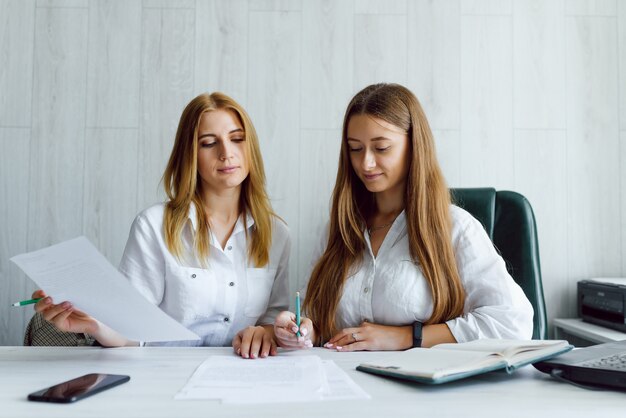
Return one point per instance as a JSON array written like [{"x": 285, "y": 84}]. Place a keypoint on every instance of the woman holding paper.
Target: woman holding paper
[
  {"x": 214, "y": 256},
  {"x": 399, "y": 266}
]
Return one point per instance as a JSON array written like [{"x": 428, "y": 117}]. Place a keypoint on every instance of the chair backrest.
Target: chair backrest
[{"x": 510, "y": 223}]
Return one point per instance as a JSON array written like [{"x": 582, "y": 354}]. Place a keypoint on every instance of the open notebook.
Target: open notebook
[{"x": 447, "y": 362}]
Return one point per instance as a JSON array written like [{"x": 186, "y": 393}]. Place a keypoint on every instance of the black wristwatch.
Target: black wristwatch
[{"x": 417, "y": 334}]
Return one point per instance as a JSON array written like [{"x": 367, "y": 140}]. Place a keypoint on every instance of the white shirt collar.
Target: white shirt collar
[{"x": 193, "y": 218}]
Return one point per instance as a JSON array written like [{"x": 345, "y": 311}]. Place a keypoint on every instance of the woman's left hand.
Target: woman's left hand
[
  {"x": 372, "y": 337},
  {"x": 255, "y": 342}
]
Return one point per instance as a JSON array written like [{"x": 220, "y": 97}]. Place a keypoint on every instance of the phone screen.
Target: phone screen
[{"x": 78, "y": 388}]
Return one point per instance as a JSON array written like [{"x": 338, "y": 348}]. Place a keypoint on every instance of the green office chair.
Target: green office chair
[{"x": 510, "y": 223}]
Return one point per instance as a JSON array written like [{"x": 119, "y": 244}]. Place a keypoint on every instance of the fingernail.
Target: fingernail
[
  {"x": 47, "y": 300},
  {"x": 309, "y": 343},
  {"x": 304, "y": 331},
  {"x": 253, "y": 355},
  {"x": 294, "y": 329},
  {"x": 339, "y": 348},
  {"x": 245, "y": 355},
  {"x": 66, "y": 304},
  {"x": 238, "y": 351},
  {"x": 264, "y": 355}
]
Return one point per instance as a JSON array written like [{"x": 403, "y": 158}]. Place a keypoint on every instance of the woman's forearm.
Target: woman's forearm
[{"x": 107, "y": 337}]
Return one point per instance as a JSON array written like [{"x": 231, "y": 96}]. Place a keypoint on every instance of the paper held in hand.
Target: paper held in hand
[
  {"x": 75, "y": 271},
  {"x": 447, "y": 362}
]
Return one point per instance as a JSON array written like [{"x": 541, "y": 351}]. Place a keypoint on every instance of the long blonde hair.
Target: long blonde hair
[
  {"x": 182, "y": 185},
  {"x": 427, "y": 210}
]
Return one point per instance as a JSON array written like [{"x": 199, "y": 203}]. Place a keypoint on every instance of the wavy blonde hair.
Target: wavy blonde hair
[
  {"x": 427, "y": 210},
  {"x": 183, "y": 187}
]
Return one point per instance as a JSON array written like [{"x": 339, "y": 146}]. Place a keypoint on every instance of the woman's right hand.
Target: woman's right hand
[
  {"x": 285, "y": 330},
  {"x": 64, "y": 316}
]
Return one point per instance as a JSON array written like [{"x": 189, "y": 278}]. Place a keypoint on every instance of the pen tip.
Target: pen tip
[
  {"x": 15, "y": 304},
  {"x": 297, "y": 293}
]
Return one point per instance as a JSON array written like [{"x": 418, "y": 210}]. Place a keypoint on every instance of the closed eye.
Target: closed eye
[{"x": 208, "y": 144}]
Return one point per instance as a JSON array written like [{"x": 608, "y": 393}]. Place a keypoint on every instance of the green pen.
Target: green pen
[
  {"x": 298, "y": 313},
  {"x": 26, "y": 302}
]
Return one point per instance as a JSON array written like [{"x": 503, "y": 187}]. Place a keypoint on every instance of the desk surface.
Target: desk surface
[{"x": 158, "y": 373}]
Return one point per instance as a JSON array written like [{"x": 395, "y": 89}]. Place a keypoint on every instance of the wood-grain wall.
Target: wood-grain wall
[{"x": 527, "y": 95}]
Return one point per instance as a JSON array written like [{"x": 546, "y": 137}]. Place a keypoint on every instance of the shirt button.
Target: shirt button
[
  {"x": 231, "y": 284},
  {"x": 230, "y": 247},
  {"x": 367, "y": 289},
  {"x": 226, "y": 319},
  {"x": 193, "y": 276}
]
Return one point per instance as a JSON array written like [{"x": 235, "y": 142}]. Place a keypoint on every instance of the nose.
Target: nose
[
  {"x": 226, "y": 150},
  {"x": 369, "y": 161}
]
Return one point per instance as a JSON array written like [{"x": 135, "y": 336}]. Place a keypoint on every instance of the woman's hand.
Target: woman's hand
[
  {"x": 372, "y": 337},
  {"x": 285, "y": 330},
  {"x": 64, "y": 316},
  {"x": 254, "y": 342}
]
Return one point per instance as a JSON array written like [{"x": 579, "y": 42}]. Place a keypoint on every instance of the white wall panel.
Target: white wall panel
[
  {"x": 486, "y": 102},
  {"x": 621, "y": 43},
  {"x": 273, "y": 104},
  {"x": 486, "y": 7},
  {"x": 378, "y": 7},
  {"x": 448, "y": 146},
  {"x": 538, "y": 64},
  {"x": 114, "y": 58},
  {"x": 17, "y": 22},
  {"x": 169, "y": 4},
  {"x": 275, "y": 5},
  {"x": 57, "y": 146},
  {"x": 109, "y": 205},
  {"x": 221, "y": 54},
  {"x": 63, "y": 3},
  {"x": 592, "y": 148},
  {"x": 380, "y": 47},
  {"x": 622, "y": 189},
  {"x": 540, "y": 175},
  {"x": 319, "y": 156},
  {"x": 591, "y": 7},
  {"x": 167, "y": 58},
  {"x": 434, "y": 55},
  {"x": 14, "y": 285},
  {"x": 327, "y": 65}
]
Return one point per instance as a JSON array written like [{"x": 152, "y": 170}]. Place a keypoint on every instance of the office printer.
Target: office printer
[{"x": 602, "y": 301}]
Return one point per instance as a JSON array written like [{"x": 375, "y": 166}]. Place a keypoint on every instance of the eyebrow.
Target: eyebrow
[
  {"x": 215, "y": 136},
  {"x": 378, "y": 138}
]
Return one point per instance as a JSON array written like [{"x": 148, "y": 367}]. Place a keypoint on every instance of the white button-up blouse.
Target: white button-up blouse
[
  {"x": 390, "y": 289},
  {"x": 214, "y": 302}
]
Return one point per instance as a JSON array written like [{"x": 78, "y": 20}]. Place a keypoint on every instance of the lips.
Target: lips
[
  {"x": 228, "y": 170},
  {"x": 372, "y": 176}
]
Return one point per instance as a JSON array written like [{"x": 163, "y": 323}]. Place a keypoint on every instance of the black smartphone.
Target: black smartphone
[{"x": 79, "y": 388}]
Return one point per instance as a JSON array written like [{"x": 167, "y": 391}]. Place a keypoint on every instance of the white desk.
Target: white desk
[
  {"x": 595, "y": 334},
  {"x": 158, "y": 373}
]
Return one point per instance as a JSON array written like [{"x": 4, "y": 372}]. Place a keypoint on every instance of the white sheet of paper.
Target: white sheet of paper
[
  {"x": 340, "y": 385},
  {"x": 75, "y": 271},
  {"x": 274, "y": 379},
  {"x": 270, "y": 380}
]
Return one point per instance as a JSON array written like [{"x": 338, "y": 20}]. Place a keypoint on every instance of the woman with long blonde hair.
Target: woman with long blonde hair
[
  {"x": 214, "y": 256},
  {"x": 400, "y": 266}
]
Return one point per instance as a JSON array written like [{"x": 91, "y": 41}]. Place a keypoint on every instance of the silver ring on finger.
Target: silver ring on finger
[{"x": 354, "y": 336}]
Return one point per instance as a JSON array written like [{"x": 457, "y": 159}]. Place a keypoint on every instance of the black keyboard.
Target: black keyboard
[{"x": 614, "y": 362}]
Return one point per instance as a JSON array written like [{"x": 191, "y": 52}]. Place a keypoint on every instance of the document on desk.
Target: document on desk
[
  {"x": 75, "y": 271},
  {"x": 274, "y": 379}
]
